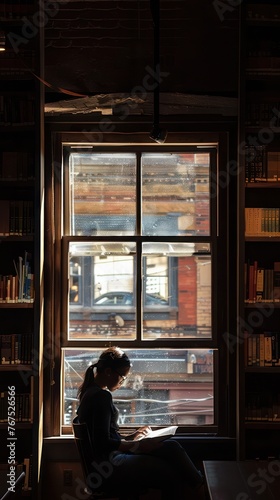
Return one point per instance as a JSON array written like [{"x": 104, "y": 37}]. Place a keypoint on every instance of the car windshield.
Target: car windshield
[
  {"x": 114, "y": 299},
  {"x": 126, "y": 298}
]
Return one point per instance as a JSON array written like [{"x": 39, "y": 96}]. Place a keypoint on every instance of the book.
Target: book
[
  {"x": 249, "y": 351},
  {"x": 3, "y": 406},
  {"x": 5, "y": 218},
  {"x": 276, "y": 281},
  {"x": 26, "y": 463},
  {"x": 16, "y": 348},
  {"x": 273, "y": 166},
  {"x": 274, "y": 349},
  {"x": 260, "y": 284},
  {"x": 262, "y": 221},
  {"x": 254, "y": 350},
  {"x": 261, "y": 349},
  {"x": 267, "y": 349},
  {"x": 164, "y": 432},
  {"x": 6, "y": 349}
]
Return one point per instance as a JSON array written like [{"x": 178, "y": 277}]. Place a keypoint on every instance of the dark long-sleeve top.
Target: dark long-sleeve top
[{"x": 101, "y": 416}]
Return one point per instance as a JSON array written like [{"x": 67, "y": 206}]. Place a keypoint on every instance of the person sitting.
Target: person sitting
[{"x": 131, "y": 460}]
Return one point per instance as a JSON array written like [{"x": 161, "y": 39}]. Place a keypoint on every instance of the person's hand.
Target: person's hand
[{"x": 141, "y": 433}]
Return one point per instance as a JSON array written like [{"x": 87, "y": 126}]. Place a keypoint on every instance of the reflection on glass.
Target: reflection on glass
[
  {"x": 165, "y": 386},
  {"x": 175, "y": 194},
  {"x": 175, "y": 191},
  {"x": 75, "y": 280},
  {"x": 102, "y": 298},
  {"x": 102, "y": 192}
]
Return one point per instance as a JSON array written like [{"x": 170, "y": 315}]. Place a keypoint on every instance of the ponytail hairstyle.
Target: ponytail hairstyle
[{"x": 113, "y": 357}]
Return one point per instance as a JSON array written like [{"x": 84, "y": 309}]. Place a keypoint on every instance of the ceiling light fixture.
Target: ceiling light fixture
[{"x": 158, "y": 134}]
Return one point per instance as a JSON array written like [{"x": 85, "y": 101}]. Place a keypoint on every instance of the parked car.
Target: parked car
[{"x": 127, "y": 299}]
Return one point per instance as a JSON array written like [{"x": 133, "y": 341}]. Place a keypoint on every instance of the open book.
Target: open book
[{"x": 164, "y": 432}]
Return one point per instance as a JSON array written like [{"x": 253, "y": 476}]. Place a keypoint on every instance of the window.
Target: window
[
  {"x": 165, "y": 386},
  {"x": 139, "y": 270}
]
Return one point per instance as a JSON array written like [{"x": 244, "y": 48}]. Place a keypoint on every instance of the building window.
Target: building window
[{"x": 139, "y": 270}]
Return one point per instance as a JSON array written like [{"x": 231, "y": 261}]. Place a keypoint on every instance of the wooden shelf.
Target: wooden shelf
[
  {"x": 17, "y": 183},
  {"x": 18, "y": 425},
  {"x": 255, "y": 74},
  {"x": 18, "y": 305},
  {"x": 21, "y": 130},
  {"x": 263, "y": 185},
  {"x": 269, "y": 239},
  {"x": 15, "y": 367},
  {"x": 262, "y": 425},
  {"x": 17, "y": 239},
  {"x": 16, "y": 128},
  {"x": 263, "y": 23},
  {"x": 262, "y": 369},
  {"x": 260, "y": 305},
  {"x": 259, "y": 97}
]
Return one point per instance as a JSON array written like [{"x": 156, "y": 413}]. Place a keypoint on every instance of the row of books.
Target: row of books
[
  {"x": 262, "y": 60},
  {"x": 19, "y": 287},
  {"x": 15, "y": 8},
  {"x": 23, "y": 407},
  {"x": 255, "y": 163},
  {"x": 26, "y": 466},
  {"x": 16, "y": 165},
  {"x": 261, "y": 285},
  {"x": 262, "y": 221},
  {"x": 16, "y": 349},
  {"x": 262, "y": 349},
  {"x": 263, "y": 11},
  {"x": 15, "y": 110},
  {"x": 262, "y": 165},
  {"x": 262, "y": 406},
  {"x": 13, "y": 63},
  {"x": 17, "y": 217},
  {"x": 15, "y": 291},
  {"x": 260, "y": 114}
]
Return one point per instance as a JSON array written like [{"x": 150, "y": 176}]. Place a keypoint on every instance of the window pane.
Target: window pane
[
  {"x": 175, "y": 190},
  {"x": 102, "y": 193},
  {"x": 177, "y": 290},
  {"x": 175, "y": 193},
  {"x": 165, "y": 386},
  {"x": 102, "y": 290}
]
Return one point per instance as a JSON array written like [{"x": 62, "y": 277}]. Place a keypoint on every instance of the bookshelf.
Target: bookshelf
[
  {"x": 259, "y": 233},
  {"x": 21, "y": 249}
]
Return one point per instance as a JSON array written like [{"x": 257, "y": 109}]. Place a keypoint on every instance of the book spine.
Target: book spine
[
  {"x": 261, "y": 348},
  {"x": 267, "y": 349}
]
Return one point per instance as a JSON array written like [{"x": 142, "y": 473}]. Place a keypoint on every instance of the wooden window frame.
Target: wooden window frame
[{"x": 55, "y": 291}]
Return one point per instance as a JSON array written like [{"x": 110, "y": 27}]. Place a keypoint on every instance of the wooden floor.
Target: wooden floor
[{"x": 248, "y": 480}]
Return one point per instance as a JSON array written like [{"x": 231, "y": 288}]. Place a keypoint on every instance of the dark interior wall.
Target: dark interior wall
[{"x": 104, "y": 46}]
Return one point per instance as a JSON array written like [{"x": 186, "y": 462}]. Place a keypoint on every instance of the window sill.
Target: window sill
[{"x": 207, "y": 447}]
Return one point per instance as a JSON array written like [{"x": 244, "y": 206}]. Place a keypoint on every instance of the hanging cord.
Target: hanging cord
[{"x": 156, "y": 134}]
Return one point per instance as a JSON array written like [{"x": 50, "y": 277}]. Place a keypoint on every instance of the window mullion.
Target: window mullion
[
  {"x": 138, "y": 228},
  {"x": 139, "y": 290},
  {"x": 139, "y": 270}
]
